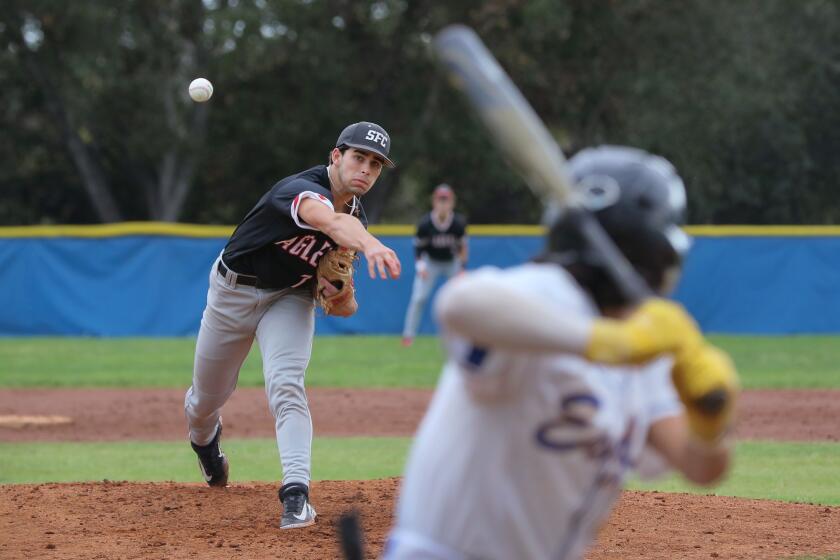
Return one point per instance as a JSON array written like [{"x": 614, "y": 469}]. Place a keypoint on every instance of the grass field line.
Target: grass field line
[{"x": 794, "y": 362}]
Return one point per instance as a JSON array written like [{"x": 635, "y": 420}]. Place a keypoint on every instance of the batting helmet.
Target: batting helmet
[{"x": 639, "y": 200}]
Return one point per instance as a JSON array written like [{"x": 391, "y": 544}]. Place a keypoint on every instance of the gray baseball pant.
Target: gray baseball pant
[
  {"x": 283, "y": 322},
  {"x": 422, "y": 288}
]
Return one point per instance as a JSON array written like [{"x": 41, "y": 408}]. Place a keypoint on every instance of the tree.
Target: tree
[
  {"x": 98, "y": 80},
  {"x": 741, "y": 96}
]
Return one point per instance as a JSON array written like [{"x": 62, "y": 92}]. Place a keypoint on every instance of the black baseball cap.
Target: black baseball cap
[{"x": 366, "y": 136}]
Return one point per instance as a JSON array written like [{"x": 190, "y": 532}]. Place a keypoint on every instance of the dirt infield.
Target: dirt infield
[
  {"x": 179, "y": 521},
  {"x": 157, "y": 414},
  {"x": 174, "y": 521}
]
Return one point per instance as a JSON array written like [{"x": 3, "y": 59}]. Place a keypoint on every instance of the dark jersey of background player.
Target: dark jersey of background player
[
  {"x": 440, "y": 241},
  {"x": 272, "y": 244}
]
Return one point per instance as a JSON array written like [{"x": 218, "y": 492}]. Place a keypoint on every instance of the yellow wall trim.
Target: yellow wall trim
[
  {"x": 762, "y": 231},
  {"x": 118, "y": 229},
  {"x": 195, "y": 230}
]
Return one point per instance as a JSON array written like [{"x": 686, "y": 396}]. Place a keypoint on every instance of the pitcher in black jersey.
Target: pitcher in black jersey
[
  {"x": 440, "y": 249},
  {"x": 261, "y": 286}
]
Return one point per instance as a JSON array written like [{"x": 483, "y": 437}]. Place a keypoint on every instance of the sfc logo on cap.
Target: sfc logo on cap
[{"x": 366, "y": 136}]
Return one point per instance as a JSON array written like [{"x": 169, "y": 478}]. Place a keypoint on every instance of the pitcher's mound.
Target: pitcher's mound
[{"x": 171, "y": 521}]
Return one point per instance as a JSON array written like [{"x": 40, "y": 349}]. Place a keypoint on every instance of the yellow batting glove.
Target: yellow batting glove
[
  {"x": 708, "y": 386},
  {"x": 657, "y": 327}
]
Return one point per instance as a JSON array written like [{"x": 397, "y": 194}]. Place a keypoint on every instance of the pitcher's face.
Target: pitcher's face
[{"x": 357, "y": 170}]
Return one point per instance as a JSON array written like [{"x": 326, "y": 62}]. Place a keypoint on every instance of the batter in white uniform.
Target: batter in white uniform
[{"x": 556, "y": 387}]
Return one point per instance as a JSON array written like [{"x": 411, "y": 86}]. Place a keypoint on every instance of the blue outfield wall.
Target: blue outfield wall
[
  {"x": 152, "y": 280},
  {"x": 763, "y": 285}
]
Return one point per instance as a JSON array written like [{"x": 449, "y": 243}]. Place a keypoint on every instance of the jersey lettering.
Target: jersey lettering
[
  {"x": 305, "y": 254},
  {"x": 574, "y": 427},
  {"x": 287, "y": 243},
  {"x": 317, "y": 255},
  {"x": 304, "y": 278},
  {"x": 303, "y": 246},
  {"x": 619, "y": 459},
  {"x": 300, "y": 247},
  {"x": 444, "y": 241}
]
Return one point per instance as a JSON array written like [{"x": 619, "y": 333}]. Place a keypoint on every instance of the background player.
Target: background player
[
  {"x": 440, "y": 249},
  {"x": 549, "y": 395},
  {"x": 262, "y": 286}
]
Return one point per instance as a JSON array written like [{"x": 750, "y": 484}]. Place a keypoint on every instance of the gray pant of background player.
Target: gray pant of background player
[
  {"x": 421, "y": 289},
  {"x": 283, "y": 322}
]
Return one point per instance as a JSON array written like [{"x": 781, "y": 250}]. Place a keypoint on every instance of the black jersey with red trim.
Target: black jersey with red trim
[
  {"x": 273, "y": 243},
  {"x": 441, "y": 241}
]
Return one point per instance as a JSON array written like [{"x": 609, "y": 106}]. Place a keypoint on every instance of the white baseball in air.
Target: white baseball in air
[{"x": 201, "y": 90}]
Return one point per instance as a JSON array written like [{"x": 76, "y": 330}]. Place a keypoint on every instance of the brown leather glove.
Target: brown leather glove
[{"x": 336, "y": 269}]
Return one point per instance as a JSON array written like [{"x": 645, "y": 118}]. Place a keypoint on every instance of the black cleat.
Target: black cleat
[
  {"x": 212, "y": 461},
  {"x": 297, "y": 511}
]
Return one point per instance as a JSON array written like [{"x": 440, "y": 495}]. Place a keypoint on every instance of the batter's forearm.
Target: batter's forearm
[
  {"x": 487, "y": 312},
  {"x": 699, "y": 461},
  {"x": 705, "y": 464}
]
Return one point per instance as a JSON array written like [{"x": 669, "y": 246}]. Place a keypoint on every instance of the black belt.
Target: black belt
[{"x": 243, "y": 279}]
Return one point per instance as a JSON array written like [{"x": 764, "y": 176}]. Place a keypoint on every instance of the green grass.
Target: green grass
[
  {"x": 796, "y": 472},
  {"x": 337, "y": 361},
  {"x": 785, "y": 362},
  {"x": 792, "y": 472},
  {"x": 365, "y": 361},
  {"x": 251, "y": 459}
]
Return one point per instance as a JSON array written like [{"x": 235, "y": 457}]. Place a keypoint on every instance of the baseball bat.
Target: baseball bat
[
  {"x": 529, "y": 147},
  {"x": 350, "y": 536},
  {"x": 522, "y": 137}
]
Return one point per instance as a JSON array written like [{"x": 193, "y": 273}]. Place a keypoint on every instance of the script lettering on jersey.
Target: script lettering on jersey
[
  {"x": 301, "y": 246},
  {"x": 574, "y": 429}
]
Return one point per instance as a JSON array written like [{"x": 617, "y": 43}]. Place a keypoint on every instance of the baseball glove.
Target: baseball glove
[{"x": 336, "y": 268}]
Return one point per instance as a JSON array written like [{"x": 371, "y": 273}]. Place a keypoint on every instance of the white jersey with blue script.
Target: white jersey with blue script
[{"x": 522, "y": 455}]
